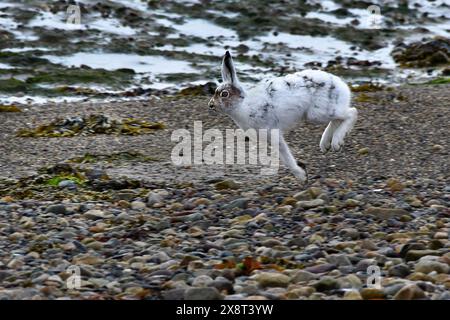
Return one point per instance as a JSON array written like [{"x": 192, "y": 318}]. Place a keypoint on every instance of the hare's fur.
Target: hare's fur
[{"x": 281, "y": 103}]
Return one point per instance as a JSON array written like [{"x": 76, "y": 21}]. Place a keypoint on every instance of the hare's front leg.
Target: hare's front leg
[{"x": 289, "y": 160}]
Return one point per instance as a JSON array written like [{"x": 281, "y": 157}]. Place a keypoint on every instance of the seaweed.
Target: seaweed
[
  {"x": 368, "y": 87},
  {"x": 119, "y": 156},
  {"x": 92, "y": 124},
  {"x": 54, "y": 181},
  {"x": 10, "y": 108},
  {"x": 441, "y": 80},
  {"x": 364, "y": 98}
]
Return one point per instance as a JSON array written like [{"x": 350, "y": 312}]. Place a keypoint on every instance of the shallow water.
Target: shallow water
[
  {"x": 114, "y": 61},
  {"x": 181, "y": 42}
]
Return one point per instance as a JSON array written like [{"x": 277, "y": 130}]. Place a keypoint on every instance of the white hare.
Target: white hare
[{"x": 281, "y": 103}]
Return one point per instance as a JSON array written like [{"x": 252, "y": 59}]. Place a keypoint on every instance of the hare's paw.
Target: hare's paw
[
  {"x": 337, "y": 144},
  {"x": 300, "y": 174},
  {"x": 325, "y": 145},
  {"x": 325, "y": 141}
]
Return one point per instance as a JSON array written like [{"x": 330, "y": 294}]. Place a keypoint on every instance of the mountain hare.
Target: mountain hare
[{"x": 281, "y": 103}]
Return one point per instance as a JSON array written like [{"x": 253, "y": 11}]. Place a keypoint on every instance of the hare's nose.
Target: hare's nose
[{"x": 211, "y": 104}]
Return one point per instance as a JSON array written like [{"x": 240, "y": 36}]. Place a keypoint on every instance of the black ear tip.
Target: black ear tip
[{"x": 227, "y": 54}]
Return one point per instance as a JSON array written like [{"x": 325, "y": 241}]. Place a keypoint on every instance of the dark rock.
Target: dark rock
[
  {"x": 349, "y": 233},
  {"x": 222, "y": 285},
  {"x": 411, "y": 246},
  {"x": 326, "y": 284},
  {"x": 204, "y": 89},
  {"x": 57, "y": 209},
  {"x": 238, "y": 203},
  {"x": 423, "y": 54},
  {"x": 207, "y": 293},
  {"x": 385, "y": 213},
  {"x": 321, "y": 268},
  {"x": 414, "y": 255},
  {"x": 399, "y": 270},
  {"x": 410, "y": 292},
  {"x": 393, "y": 289},
  {"x": 299, "y": 242},
  {"x": 174, "y": 294}
]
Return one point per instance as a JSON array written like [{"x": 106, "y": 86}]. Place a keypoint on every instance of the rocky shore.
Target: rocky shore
[{"x": 136, "y": 227}]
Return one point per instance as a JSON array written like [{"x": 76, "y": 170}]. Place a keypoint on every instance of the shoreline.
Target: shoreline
[{"x": 181, "y": 111}]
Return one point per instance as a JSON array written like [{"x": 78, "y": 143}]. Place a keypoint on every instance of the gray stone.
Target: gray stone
[
  {"x": 56, "y": 209},
  {"x": 271, "y": 243},
  {"x": 303, "y": 195},
  {"x": 339, "y": 260},
  {"x": 308, "y": 194},
  {"x": 413, "y": 255},
  {"x": 272, "y": 279},
  {"x": 399, "y": 270},
  {"x": 386, "y": 213},
  {"x": 349, "y": 233},
  {"x": 241, "y": 203},
  {"x": 69, "y": 184},
  {"x": 303, "y": 276},
  {"x": 155, "y": 197},
  {"x": 138, "y": 205},
  {"x": 174, "y": 294},
  {"x": 299, "y": 242},
  {"x": 350, "y": 281},
  {"x": 309, "y": 204},
  {"x": 410, "y": 292},
  {"x": 222, "y": 284},
  {"x": 94, "y": 214},
  {"x": 202, "y": 281},
  {"x": 321, "y": 268},
  {"x": 126, "y": 195},
  {"x": 326, "y": 284},
  {"x": 393, "y": 289},
  {"x": 207, "y": 293},
  {"x": 365, "y": 263},
  {"x": 159, "y": 257},
  {"x": 196, "y": 216},
  {"x": 368, "y": 245},
  {"x": 427, "y": 266}
]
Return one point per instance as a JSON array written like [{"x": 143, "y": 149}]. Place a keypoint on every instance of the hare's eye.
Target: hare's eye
[{"x": 224, "y": 94}]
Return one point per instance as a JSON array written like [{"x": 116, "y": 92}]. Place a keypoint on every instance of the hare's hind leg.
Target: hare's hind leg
[
  {"x": 325, "y": 141},
  {"x": 349, "y": 119}
]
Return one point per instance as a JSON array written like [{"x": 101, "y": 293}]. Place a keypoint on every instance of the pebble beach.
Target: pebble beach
[{"x": 115, "y": 208}]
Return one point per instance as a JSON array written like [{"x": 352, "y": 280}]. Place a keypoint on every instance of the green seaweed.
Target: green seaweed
[
  {"x": 54, "y": 181},
  {"x": 22, "y": 59},
  {"x": 74, "y": 76},
  {"x": 441, "y": 80},
  {"x": 13, "y": 85}
]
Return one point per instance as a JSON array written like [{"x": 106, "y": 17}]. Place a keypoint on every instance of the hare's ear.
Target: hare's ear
[{"x": 228, "y": 70}]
